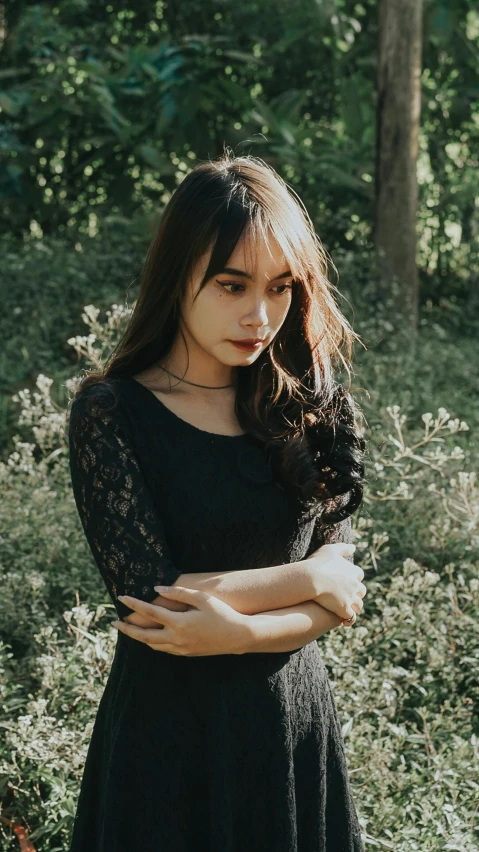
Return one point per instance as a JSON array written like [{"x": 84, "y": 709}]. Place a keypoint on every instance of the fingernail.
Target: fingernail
[
  {"x": 115, "y": 623},
  {"x": 161, "y": 588}
]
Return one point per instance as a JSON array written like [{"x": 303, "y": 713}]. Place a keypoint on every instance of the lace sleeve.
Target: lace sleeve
[
  {"x": 121, "y": 523},
  {"x": 342, "y": 531}
]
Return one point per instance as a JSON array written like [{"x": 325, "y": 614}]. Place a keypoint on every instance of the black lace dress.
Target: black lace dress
[{"x": 223, "y": 753}]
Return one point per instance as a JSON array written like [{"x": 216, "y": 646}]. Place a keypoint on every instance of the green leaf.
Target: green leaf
[
  {"x": 243, "y": 57},
  {"x": 153, "y": 157}
]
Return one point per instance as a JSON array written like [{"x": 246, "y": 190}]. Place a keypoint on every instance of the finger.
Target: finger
[
  {"x": 362, "y": 590},
  {"x": 179, "y": 593},
  {"x": 344, "y": 546},
  {"x": 154, "y": 611},
  {"x": 353, "y": 616},
  {"x": 148, "y": 635}
]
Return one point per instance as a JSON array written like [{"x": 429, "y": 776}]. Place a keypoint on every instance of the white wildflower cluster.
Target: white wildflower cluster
[
  {"x": 80, "y": 620},
  {"x": 118, "y": 315},
  {"x": 40, "y": 412},
  {"x": 85, "y": 346},
  {"x": 20, "y": 462},
  {"x": 440, "y": 530},
  {"x": 35, "y": 580},
  {"x": 102, "y": 337},
  {"x": 460, "y": 500},
  {"x": 42, "y": 738},
  {"x": 407, "y": 467},
  {"x": 442, "y": 419}
]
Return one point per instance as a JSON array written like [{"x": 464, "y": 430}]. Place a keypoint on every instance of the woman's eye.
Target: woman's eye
[{"x": 225, "y": 284}]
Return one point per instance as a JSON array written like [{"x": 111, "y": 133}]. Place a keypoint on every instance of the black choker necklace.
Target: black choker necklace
[{"x": 194, "y": 383}]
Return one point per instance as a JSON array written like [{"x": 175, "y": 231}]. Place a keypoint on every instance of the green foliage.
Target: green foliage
[
  {"x": 407, "y": 690},
  {"x": 406, "y": 676},
  {"x": 49, "y": 699},
  {"x": 105, "y": 109},
  {"x": 42, "y": 290}
]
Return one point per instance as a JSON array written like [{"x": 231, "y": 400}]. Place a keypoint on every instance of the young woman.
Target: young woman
[{"x": 216, "y": 454}]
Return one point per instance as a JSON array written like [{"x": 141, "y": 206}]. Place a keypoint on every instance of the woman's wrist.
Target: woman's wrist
[
  {"x": 316, "y": 579},
  {"x": 286, "y": 629}
]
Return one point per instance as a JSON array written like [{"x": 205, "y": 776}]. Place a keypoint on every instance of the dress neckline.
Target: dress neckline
[{"x": 176, "y": 418}]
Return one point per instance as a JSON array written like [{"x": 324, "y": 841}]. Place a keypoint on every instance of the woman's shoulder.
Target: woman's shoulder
[
  {"x": 104, "y": 403},
  {"x": 97, "y": 396}
]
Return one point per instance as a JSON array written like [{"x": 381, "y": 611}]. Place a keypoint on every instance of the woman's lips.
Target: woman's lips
[{"x": 246, "y": 347}]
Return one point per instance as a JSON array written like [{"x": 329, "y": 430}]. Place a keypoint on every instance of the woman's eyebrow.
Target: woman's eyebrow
[{"x": 231, "y": 271}]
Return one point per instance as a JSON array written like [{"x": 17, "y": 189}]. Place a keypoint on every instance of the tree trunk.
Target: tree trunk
[{"x": 399, "y": 107}]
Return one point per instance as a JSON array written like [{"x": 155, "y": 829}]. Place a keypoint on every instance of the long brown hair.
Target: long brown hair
[{"x": 288, "y": 398}]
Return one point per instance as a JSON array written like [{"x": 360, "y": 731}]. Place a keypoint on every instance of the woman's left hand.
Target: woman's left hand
[{"x": 210, "y": 627}]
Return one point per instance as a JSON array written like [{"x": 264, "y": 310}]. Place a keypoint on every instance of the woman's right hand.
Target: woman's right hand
[{"x": 339, "y": 579}]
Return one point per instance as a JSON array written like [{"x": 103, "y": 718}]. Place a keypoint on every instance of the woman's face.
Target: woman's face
[{"x": 250, "y": 302}]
